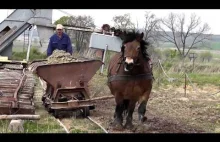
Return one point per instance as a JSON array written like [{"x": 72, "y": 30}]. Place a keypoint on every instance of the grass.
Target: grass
[
  {"x": 215, "y": 45},
  {"x": 47, "y": 124},
  {"x": 34, "y": 55},
  {"x": 199, "y": 79},
  {"x": 202, "y": 79},
  {"x": 83, "y": 126}
]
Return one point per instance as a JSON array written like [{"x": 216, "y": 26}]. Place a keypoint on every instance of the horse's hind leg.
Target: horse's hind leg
[{"x": 131, "y": 107}]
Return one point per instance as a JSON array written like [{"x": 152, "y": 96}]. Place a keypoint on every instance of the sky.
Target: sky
[{"x": 103, "y": 16}]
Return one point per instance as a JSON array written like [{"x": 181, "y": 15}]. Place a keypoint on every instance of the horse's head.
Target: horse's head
[{"x": 131, "y": 49}]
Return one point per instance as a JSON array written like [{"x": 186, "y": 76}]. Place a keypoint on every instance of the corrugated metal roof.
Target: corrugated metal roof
[{"x": 99, "y": 41}]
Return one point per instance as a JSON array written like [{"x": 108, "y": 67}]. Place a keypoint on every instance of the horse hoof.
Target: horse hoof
[
  {"x": 117, "y": 127},
  {"x": 143, "y": 119},
  {"x": 129, "y": 126}
]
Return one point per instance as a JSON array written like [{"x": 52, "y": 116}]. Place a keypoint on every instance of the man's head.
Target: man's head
[{"x": 59, "y": 29}]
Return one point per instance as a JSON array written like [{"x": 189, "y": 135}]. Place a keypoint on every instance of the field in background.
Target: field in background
[{"x": 215, "y": 45}]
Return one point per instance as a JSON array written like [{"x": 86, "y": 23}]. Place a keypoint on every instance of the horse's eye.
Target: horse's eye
[{"x": 138, "y": 48}]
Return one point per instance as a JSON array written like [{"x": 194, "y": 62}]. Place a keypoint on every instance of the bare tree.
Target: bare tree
[
  {"x": 151, "y": 28},
  {"x": 123, "y": 22},
  {"x": 80, "y": 38},
  {"x": 184, "y": 37}
]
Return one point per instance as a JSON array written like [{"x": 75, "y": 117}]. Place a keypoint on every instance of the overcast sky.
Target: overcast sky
[{"x": 105, "y": 16}]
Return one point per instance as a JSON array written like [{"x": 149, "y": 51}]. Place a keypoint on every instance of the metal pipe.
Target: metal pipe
[
  {"x": 103, "y": 60},
  {"x": 20, "y": 116},
  {"x": 29, "y": 46}
]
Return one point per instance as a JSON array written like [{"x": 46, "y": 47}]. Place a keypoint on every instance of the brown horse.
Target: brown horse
[{"x": 130, "y": 79}]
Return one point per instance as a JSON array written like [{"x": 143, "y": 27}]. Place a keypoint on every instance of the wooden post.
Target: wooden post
[
  {"x": 160, "y": 70},
  {"x": 185, "y": 85}
]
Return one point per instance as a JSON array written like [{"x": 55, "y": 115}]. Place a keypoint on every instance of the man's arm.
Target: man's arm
[
  {"x": 49, "y": 48},
  {"x": 69, "y": 46}
]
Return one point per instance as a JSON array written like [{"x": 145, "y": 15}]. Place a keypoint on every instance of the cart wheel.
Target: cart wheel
[
  {"x": 56, "y": 113},
  {"x": 49, "y": 109},
  {"x": 43, "y": 98},
  {"x": 86, "y": 111}
]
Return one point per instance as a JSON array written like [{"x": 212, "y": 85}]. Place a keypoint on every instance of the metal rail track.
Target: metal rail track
[
  {"x": 16, "y": 90},
  {"x": 62, "y": 125},
  {"x": 92, "y": 120},
  {"x": 89, "y": 118}
]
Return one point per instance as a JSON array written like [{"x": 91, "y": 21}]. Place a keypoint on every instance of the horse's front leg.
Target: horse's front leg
[
  {"x": 142, "y": 107},
  {"x": 142, "y": 111},
  {"x": 129, "y": 118},
  {"x": 118, "y": 119}
]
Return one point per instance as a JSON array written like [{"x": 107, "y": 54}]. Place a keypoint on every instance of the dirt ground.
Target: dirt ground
[{"x": 168, "y": 110}]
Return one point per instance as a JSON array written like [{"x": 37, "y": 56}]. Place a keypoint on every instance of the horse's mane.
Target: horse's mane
[{"x": 128, "y": 36}]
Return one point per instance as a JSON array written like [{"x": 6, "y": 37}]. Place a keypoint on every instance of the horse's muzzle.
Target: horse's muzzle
[{"x": 129, "y": 66}]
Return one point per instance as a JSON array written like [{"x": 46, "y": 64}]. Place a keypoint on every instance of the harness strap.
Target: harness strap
[{"x": 130, "y": 77}]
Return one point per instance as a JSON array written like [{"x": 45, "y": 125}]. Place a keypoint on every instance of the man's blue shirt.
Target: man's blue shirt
[{"x": 62, "y": 43}]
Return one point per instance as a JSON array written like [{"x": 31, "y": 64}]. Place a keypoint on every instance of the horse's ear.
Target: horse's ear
[
  {"x": 112, "y": 29},
  {"x": 142, "y": 35},
  {"x": 139, "y": 37}
]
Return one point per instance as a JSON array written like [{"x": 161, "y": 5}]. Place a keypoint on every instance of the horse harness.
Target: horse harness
[{"x": 128, "y": 77}]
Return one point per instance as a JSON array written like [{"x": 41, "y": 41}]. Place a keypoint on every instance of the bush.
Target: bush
[
  {"x": 171, "y": 54},
  {"x": 206, "y": 56}
]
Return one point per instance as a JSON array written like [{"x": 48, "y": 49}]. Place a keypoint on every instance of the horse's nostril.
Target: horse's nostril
[{"x": 130, "y": 64}]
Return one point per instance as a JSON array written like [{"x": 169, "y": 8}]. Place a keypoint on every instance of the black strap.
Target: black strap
[{"x": 130, "y": 77}]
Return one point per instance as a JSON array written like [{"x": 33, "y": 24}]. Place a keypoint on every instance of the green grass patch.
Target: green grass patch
[
  {"x": 84, "y": 126},
  {"x": 202, "y": 79},
  {"x": 215, "y": 45},
  {"x": 178, "y": 79},
  {"x": 34, "y": 55},
  {"x": 46, "y": 124}
]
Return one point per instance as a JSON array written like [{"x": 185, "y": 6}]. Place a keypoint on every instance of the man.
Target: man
[{"x": 60, "y": 41}]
